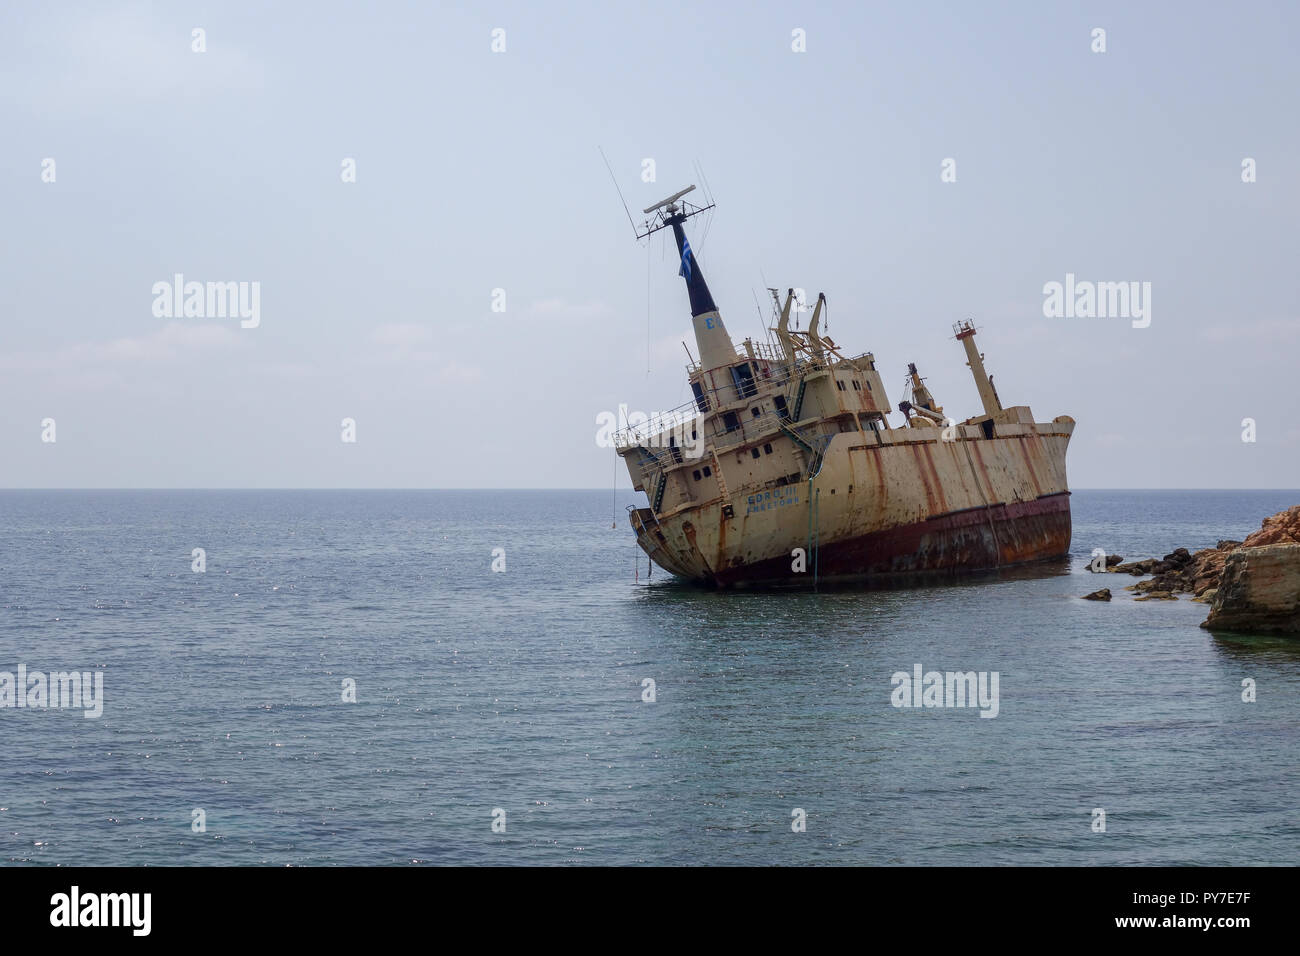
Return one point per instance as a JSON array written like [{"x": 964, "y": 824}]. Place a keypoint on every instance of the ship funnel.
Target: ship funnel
[{"x": 716, "y": 347}]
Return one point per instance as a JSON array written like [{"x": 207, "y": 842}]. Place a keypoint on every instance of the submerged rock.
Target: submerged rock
[
  {"x": 1158, "y": 596},
  {"x": 1102, "y": 595},
  {"x": 1137, "y": 568},
  {"x": 1259, "y": 592},
  {"x": 1181, "y": 571}
]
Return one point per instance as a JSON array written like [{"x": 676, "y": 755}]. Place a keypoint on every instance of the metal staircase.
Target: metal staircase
[{"x": 814, "y": 450}]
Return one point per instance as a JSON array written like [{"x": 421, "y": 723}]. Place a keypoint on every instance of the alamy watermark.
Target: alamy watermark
[
  {"x": 1098, "y": 300},
  {"x": 675, "y": 429},
  {"x": 75, "y": 908},
  {"x": 946, "y": 689},
  {"x": 179, "y": 299},
  {"x": 61, "y": 690}
]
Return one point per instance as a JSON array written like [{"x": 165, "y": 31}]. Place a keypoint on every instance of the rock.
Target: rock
[
  {"x": 1281, "y": 528},
  {"x": 1201, "y": 574},
  {"x": 1259, "y": 592},
  {"x": 1102, "y": 595},
  {"x": 1181, "y": 571},
  {"x": 1136, "y": 568},
  {"x": 1111, "y": 561},
  {"x": 1167, "y": 581},
  {"x": 1206, "y": 567}
]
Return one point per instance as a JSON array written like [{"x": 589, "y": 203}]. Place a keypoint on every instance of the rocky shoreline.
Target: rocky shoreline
[{"x": 1252, "y": 586}]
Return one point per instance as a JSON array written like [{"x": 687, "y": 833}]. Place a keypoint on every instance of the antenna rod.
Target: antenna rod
[
  {"x": 708, "y": 190},
  {"x": 620, "y": 192}
]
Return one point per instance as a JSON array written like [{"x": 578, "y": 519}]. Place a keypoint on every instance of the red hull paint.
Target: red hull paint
[{"x": 976, "y": 539}]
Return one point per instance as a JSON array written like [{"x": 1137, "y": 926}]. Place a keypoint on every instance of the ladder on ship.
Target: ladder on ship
[
  {"x": 798, "y": 399},
  {"x": 811, "y": 452}
]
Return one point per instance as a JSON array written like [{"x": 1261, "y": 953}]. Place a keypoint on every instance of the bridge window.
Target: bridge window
[
  {"x": 753, "y": 452},
  {"x": 701, "y": 402},
  {"x": 743, "y": 378}
]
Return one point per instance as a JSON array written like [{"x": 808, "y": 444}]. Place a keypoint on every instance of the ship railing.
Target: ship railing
[
  {"x": 866, "y": 360},
  {"x": 670, "y": 446},
  {"x": 651, "y": 460},
  {"x": 749, "y": 428},
  {"x": 660, "y": 427},
  {"x": 780, "y": 373},
  {"x": 762, "y": 350},
  {"x": 778, "y": 363}
]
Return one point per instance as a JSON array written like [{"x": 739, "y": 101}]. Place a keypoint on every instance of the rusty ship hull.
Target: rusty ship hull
[
  {"x": 785, "y": 468},
  {"x": 983, "y": 504}
]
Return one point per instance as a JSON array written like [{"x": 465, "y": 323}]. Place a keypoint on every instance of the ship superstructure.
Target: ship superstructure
[{"x": 784, "y": 467}]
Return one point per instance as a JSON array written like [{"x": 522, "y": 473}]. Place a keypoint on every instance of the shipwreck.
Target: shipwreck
[{"x": 784, "y": 468}]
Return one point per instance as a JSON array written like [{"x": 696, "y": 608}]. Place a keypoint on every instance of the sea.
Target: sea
[{"x": 418, "y": 678}]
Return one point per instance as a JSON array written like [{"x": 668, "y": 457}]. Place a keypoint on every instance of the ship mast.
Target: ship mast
[
  {"x": 715, "y": 345},
  {"x": 965, "y": 334}
]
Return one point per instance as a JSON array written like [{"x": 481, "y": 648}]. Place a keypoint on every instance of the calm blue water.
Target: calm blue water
[{"x": 522, "y": 690}]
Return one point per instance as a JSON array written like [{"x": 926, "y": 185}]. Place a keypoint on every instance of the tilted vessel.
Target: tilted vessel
[{"x": 785, "y": 469}]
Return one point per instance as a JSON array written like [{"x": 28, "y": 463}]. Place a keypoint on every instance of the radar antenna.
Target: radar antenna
[
  {"x": 673, "y": 209},
  {"x": 670, "y": 200}
]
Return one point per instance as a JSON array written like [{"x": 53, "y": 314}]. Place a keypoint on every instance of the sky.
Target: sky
[{"x": 473, "y": 298}]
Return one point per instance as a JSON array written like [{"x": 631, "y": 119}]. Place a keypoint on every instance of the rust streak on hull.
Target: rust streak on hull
[{"x": 971, "y": 540}]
